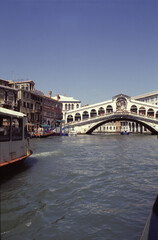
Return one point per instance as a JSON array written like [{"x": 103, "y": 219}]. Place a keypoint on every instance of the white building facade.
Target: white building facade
[
  {"x": 151, "y": 98},
  {"x": 68, "y": 103}
]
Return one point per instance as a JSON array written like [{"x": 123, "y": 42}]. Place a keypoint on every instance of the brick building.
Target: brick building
[{"x": 52, "y": 110}]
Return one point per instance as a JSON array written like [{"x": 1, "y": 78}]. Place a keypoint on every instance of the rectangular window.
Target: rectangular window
[
  {"x": 4, "y": 128},
  {"x": 17, "y": 126},
  {"x": 5, "y": 97},
  {"x": 32, "y": 116}
]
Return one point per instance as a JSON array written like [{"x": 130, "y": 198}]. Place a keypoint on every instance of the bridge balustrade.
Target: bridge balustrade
[{"x": 134, "y": 110}]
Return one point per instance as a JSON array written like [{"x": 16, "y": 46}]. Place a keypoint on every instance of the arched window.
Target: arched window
[
  {"x": 69, "y": 107},
  {"x": 142, "y": 111},
  {"x": 109, "y": 109},
  {"x": 157, "y": 114},
  {"x": 77, "y": 117},
  {"x": 101, "y": 111},
  {"x": 72, "y": 106},
  {"x": 70, "y": 118},
  {"x": 85, "y": 115},
  {"x": 65, "y": 106},
  {"x": 150, "y": 112},
  {"x": 93, "y": 113},
  {"x": 77, "y": 106},
  {"x": 134, "y": 109}
]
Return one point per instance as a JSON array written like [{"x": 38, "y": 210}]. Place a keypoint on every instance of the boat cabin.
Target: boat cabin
[{"x": 14, "y": 143}]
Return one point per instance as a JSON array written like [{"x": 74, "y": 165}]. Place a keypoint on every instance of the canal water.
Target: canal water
[{"x": 82, "y": 188}]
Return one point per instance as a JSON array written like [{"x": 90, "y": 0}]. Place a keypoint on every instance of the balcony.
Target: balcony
[
  {"x": 6, "y": 104},
  {"x": 9, "y": 105}
]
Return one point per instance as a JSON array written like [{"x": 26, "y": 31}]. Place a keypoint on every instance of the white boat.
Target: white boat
[{"x": 14, "y": 142}]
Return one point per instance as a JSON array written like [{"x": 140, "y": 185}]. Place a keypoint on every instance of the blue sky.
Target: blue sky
[{"x": 88, "y": 49}]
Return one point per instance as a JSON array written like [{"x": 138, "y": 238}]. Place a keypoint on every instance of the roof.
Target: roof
[
  {"x": 9, "y": 88},
  {"x": 146, "y": 95},
  {"x": 4, "y": 80},
  {"x": 49, "y": 98},
  {"x": 66, "y": 99},
  {"x": 21, "y": 82},
  {"x": 11, "y": 112},
  {"x": 121, "y": 95}
]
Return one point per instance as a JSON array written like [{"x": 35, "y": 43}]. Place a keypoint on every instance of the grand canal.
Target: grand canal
[{"x": 82, "y": 188}]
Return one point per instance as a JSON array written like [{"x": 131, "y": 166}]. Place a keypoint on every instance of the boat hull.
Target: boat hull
[
  {"x": 3, "y": 164},
  {"x": 11, "y": 168}
]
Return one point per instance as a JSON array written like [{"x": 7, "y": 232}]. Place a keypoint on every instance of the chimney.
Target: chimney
[{"x": 50, "y": 94}]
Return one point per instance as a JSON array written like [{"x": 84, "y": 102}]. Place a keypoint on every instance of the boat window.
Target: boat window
[
  {"x": 16, "y": 129},
  {"x": 4, "y": 128}
]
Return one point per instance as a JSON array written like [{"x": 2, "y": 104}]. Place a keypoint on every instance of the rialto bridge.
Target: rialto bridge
[{"x": 121, "y": 107}]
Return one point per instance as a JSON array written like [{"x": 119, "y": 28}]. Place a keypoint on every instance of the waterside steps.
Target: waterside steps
[{"x": 150, "y": 231}]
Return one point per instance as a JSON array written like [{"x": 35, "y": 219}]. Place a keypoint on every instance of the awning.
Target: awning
[{"x": 45, "y": 125}]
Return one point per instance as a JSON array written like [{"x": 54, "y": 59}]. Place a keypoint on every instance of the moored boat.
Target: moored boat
[
  {"x": 150, "y": 231},
  {"x": 124, "y": 133},
  {"x": 14, "y": 141}
]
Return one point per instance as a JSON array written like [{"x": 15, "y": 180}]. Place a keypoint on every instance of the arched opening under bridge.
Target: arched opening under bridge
[{"x": 124, "y": 118}]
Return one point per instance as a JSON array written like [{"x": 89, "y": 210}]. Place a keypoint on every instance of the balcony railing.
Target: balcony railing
[{"x": 8, "y": 103}]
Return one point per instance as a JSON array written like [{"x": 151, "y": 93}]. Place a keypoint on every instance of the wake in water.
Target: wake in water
[{"x": 46, "y": 154}]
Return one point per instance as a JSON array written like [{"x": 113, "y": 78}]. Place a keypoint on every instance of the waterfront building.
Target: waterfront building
[
  {"x": 23, "y": 97},
  {"x": 148, "y": 97},
  {"x": 151, "y": 98},
  {"x": 30, "y": 100},
  {"x": 68, "y": 103},
  {"x": 8, "y": 96},
  {"x": 52, "y": 110}
]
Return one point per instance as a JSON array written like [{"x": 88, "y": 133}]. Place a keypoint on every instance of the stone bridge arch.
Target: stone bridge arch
[{"x": 122, "y": 118}]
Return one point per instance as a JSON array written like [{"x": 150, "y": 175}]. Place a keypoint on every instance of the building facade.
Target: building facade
[
  {"x": 68, "y": 103},
  {"x": 52, "y": 110},
  {"x": 151, "y": 98},
  {"x": 8, "y": 96},
  {"x": 23, "y": 97},
  {"x": 30, "y": 101}
]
